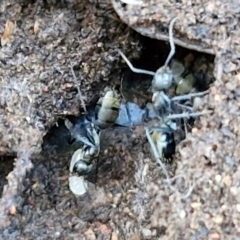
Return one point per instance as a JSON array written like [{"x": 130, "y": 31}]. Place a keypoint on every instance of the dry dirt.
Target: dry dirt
[{"x": 131, "y": 200}]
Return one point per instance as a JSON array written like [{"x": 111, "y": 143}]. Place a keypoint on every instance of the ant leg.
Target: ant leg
[{"x": 189, "y": 96}]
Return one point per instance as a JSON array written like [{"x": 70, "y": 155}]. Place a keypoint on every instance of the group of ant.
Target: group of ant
[{"x": 160, "y": 137}]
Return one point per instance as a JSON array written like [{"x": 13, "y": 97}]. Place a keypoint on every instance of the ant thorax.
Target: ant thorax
[{"x": 161, "y": 103}]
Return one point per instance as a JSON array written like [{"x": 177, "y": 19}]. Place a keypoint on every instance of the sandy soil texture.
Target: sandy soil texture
[{"x": 131, "y": 199}]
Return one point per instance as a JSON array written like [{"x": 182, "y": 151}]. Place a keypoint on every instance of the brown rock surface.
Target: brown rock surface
[
  {"x": 37, "y": 87},
  {"x": 210, "y": 155},
  {"x": 39, "y": 39}
]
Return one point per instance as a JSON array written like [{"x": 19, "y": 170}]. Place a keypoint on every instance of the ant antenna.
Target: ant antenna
[
  {"x": 172, "y": 52},
  {"x": 187, "y": 115},
  {"x": 136, "y": 70},
  {"x": 78, "y": 88}
]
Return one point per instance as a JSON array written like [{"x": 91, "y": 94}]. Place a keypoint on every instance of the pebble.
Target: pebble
[
  {"x": 90, "y": 234},
  {"x": 182, "y": 214},
  {"x": 12, "y": 210},
  {"x": 234, "y": 191},
  {"x": 214, "y": 236},
  {"x": 146, "y": 232},
  {"x": 195, "y": 205},
  {"x": 135, "y": 237},
  {"x": 218, "y": 178},
  {"x": 116, "y": 199},
  {"x": 238, "y": 207},
  {"x": 114, "y": 236},
  {"x": 227, "y": 180},
  {"x": 218, "y": 219},
  {"x": 104, "y": 230}
]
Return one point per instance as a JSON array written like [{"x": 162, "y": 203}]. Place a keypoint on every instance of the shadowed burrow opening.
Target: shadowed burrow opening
[
  {"x": 192, "y": 73},
  {"x": 192, "y": 76},
  {"x": 194, "y": 67},
  {"x": 6, "y": 166},
  {"x": 58, "y": 147}
]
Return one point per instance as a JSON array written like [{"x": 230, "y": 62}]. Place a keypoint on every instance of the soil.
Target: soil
[{"x": 131, "y": 198}]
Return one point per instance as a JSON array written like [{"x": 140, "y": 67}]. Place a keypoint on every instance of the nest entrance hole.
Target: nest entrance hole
[
  {"x": 135, "y": 86},
  {"x": 197, "y": 66},
  {"x": 154, "y": 54},
  {"x": 7, "y": 164}
]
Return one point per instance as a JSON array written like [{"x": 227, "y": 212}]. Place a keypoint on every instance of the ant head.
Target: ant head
[{"x": 162, "y": 79}]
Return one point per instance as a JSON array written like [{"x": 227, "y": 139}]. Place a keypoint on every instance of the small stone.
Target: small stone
[
  {"x": 116, "y": 199},
  {"x": 195, "y": 205},
  {"x": 227, "y": 180},
  {"x": 218, "y": 178},
  {"x": 218, "y": 219},
  {"x": 224, "y": 208},
  {"x": 36, "y": 27},
  {"x": 135, "y": 237},
  {"x": 214, "y": 236},
  {"x": 12, "y": 210},
  {"x": 145, "y": 170},
  {"x": 182, "y": 214},
  {"x": 104, "y": 230},
  {"x": 229, "y": 161},
  {"x": 238, "y": 207},
  {"x": 146, "y": 232},
  {"x": 194, "y": 225},
  {"x": 114, "y": 236},
  {"x": 57, "y": 234},
  {"x": 217, "y": 98},
  {"x": 90, "y": 234},
  {"x": 194, "y": 130},
  {"x": 234, "y": 191},
  {"x": 46, "y": 89},
  {"x": 67, "y": 86},
  {"x": 126, "y": 210}
]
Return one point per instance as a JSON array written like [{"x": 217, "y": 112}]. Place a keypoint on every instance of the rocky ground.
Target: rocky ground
[{"x": 131, "y": 199}]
